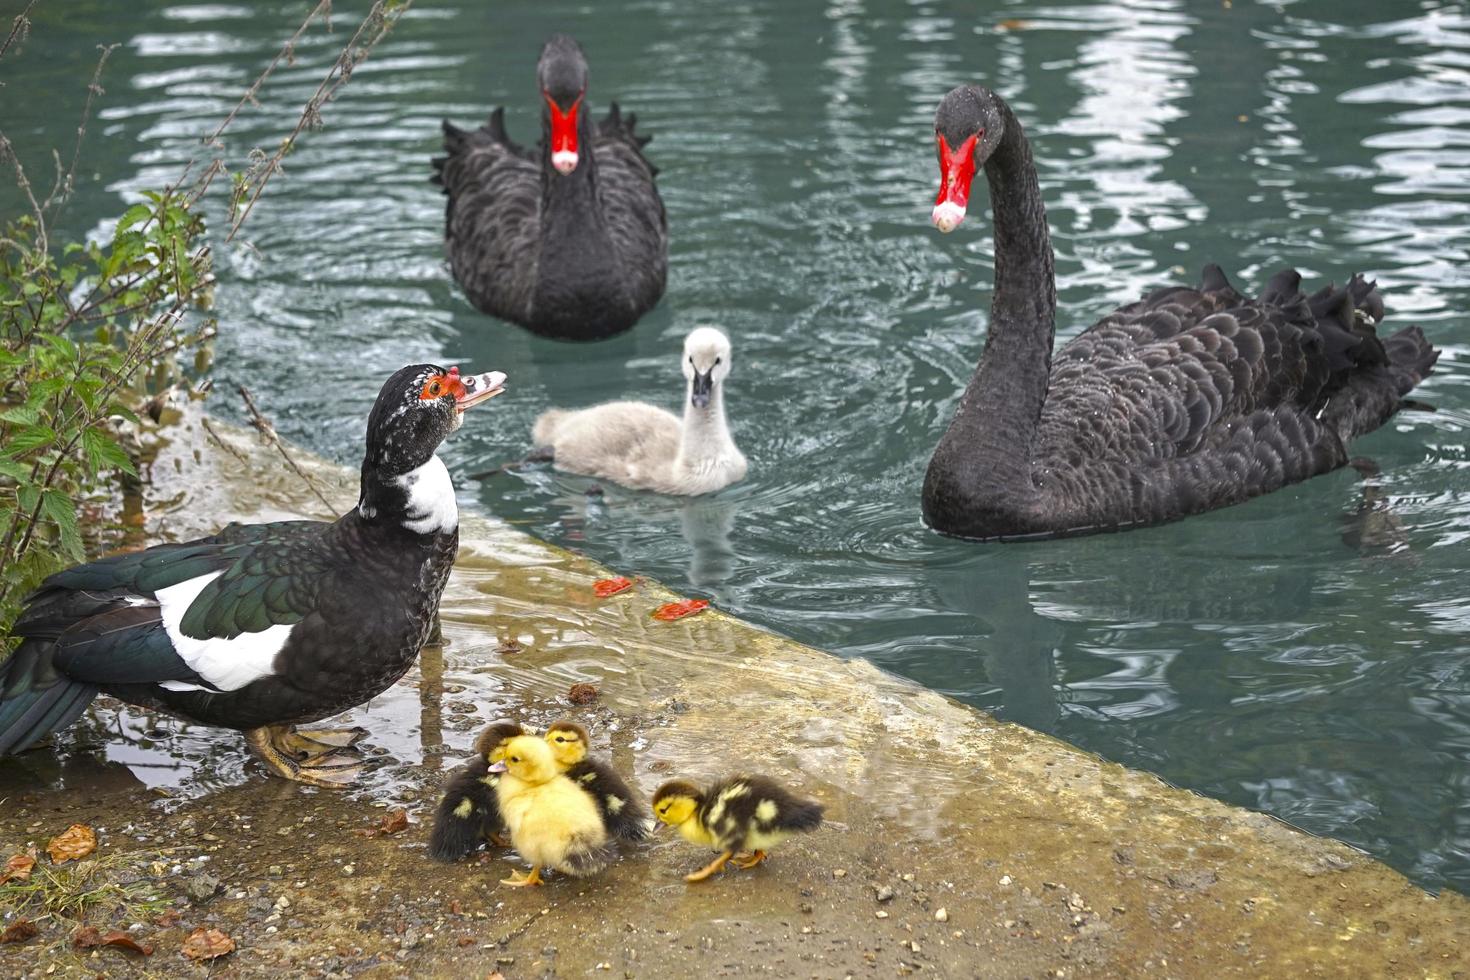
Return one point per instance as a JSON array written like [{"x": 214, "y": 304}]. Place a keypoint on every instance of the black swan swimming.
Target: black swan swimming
[
  {"x": 569, "y": 240},
  {"x": 1185, "y": 401}
]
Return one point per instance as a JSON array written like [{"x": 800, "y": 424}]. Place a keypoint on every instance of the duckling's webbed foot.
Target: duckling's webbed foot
[
  {"x": 747, "y": 861},
  {"x": 518, "y": 880},
  {"x": 717, "y": 864},
  {"x": 498, "y": 839},
  {"x": 289, "y": 755}
]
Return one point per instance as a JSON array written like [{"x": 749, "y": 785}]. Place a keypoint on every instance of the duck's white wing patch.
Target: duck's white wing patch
[
  {"x": 431, "y": 507},
  {"x": 226, "y": 665}
]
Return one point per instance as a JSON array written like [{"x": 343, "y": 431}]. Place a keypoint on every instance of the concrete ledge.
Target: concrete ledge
[{"x": 1005, "y": 852}]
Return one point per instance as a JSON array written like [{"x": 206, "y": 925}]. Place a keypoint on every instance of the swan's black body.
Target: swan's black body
[
  {"x": 1188, "y": 400},
  {"x": 576, "y": 256}
]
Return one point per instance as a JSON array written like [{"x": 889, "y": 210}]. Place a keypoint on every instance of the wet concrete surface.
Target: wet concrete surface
[{"x": 956, "y": 846}]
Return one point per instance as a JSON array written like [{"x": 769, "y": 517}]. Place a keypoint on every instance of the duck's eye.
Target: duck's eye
[
  {"x": 433, "y": 389},
  {"x": 717, "y": 360}
]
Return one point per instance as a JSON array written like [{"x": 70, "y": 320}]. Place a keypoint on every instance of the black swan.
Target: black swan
[
  {"x": 1187, "y": 400},
  {"x": 569, "y": 240}
]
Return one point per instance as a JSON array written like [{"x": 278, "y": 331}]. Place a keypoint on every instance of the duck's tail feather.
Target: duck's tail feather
[
  {"x": 34, "y": 700},
  {"x": 801, "y": 815},
  {"x": 584, "y": 858}
]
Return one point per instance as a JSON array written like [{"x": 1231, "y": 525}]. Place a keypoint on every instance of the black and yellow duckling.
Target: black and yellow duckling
[
  {"x": 468, "y": 812},
  {"x": 553, "y": 823},
  {"x": 622, "y": 813},
  {"x": 742, "y": 815}
]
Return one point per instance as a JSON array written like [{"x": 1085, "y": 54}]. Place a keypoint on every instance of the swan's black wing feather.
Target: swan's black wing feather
[
  {"x": 631, "y": 207},
  {"x": 1191, "y": 399},
  {"x": 492, "y": 216}
]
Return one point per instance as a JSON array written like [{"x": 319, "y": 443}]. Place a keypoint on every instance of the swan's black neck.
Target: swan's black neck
[
  {"x": 981, "y": 475},
  {"x": 569, "y": 201}
]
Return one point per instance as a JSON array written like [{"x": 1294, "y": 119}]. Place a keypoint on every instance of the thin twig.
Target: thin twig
[
  {"x": 352, "y": 55},
  {"x": 287, "y": 52},
  {"x": 94, "y": 88},
  {"x": 220, "y": 441},
  {"x": 17, "y": 27},
  {"x": 8, "y": 150},
  {"x": 268, "y": 431}
]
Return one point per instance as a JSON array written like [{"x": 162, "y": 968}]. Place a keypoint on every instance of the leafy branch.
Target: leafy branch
[{"x": 86, "y": 330}]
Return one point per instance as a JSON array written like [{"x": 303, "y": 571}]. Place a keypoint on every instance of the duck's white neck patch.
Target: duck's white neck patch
[{"x": 431, "y": 508}]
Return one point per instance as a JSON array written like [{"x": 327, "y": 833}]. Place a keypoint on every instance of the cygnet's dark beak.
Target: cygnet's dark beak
[{"x": 701, "y": 387}]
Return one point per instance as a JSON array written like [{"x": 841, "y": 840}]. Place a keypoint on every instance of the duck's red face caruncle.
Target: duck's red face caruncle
[
  {"x": 563, "y": 133},
  {"x": 467, "y": 390},
  {"x": 956, "y": 171}
]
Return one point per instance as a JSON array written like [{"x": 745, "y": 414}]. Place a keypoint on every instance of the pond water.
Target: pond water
[{"x": 1304, "y": 654}]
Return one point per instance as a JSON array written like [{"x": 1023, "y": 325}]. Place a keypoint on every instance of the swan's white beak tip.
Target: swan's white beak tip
[
  {"x": 947, "y": 216},
  {"x": 565, "y": 161}
]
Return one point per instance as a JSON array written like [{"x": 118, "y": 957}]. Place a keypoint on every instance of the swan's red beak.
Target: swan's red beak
[
  {"x": 956, "y": 171},
  {"x": 563, "y": 135}
]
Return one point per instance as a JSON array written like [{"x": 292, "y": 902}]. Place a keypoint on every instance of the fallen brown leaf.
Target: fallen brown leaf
[
  {"x": 582, "y": 693},
  {"x": 393, "y": 821},
  {"x": 1013, "y": 24},
  {"x": 207, "y": 944},
  {"x": 72, "y": 844},
  {"x": 605, "y": 587},
  {"x": 168, "y": 919},
  {"x": 88, "y": 936},
  {"x": 19, "y": 931},
  {"x": 18, "y": 868},
  {"x": 670, "y": 611}
]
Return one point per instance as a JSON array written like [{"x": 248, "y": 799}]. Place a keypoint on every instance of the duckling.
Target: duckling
[
  {"x": 552, "y": 822},
  {"x": 740, "y": 814},
  {"x": 622, "y": 814},
  {"x": 469, "y": 812},
  {"x": 648, "y": 448}
]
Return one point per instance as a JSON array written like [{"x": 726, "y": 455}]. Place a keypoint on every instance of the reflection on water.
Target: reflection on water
[{"x": 1305, "y": 653}]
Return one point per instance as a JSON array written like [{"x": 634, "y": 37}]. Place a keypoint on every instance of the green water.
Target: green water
[{"x": 1263, "y": 654}]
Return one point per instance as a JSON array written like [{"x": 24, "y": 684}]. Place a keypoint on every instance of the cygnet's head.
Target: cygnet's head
[{"x": 706, "y": 363}]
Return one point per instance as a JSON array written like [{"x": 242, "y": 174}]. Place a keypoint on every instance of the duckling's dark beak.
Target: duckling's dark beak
[
  {"x": 701, "y": 387},
  {"x": 498, "y": 767},
  {"x": 478, "y": 388}
]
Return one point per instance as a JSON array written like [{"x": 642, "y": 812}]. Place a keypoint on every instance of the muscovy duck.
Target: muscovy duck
[
  {"x": 264, "y": 626},
  {"x": 1187, "y": 400},
  {"x": 569, "y": 240}
]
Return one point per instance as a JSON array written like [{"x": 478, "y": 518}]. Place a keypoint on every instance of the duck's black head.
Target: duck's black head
[
  {"x": 562, "y": 75},
  {"x": 968, "y": 126},
  {"x": 416, "y": 409}
]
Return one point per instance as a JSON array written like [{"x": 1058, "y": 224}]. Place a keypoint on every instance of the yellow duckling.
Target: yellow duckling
[
  {"x": 622, "y": 813},
  {"x": 553, "y": 823},
  {"x": 468, "y": 812},
  {"x": 740, "y": 814}
]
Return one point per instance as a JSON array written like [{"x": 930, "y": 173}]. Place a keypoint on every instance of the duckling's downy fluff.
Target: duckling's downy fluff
[
  {"x": 739, "y": 814},
  {"x": 553, "y": 823},
  {"x": 468, "y": 812},
  {"x": 622, "y": 813},
  {"x": 648, "y": 448}
]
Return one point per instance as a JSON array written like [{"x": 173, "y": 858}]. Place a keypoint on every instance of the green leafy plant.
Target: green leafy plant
[
  {"x": 87, "y": 331},
  {"x": 76, "y": 331}
]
